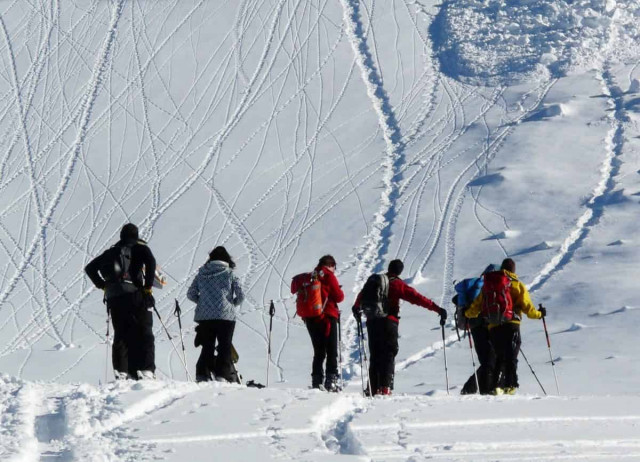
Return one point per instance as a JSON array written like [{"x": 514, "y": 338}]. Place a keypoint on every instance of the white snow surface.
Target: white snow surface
[{"x": 449, "y": 134}]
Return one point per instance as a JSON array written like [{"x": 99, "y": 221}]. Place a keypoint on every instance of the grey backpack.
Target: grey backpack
[{"x": 374, "y": 298}]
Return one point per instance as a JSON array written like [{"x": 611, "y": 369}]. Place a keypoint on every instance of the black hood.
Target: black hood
[{"x": 129, "y": 232}]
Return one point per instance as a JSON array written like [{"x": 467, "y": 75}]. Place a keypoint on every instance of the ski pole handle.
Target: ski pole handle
[
  {"x": 178, "y": 312},
  {"x": 272, "y": 309},
  {"x": 546, "y": 332}
]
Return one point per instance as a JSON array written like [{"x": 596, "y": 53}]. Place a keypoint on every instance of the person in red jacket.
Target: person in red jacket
[
  {"x": 323, "y": 329},
  {"x": 383, "y": 331}
]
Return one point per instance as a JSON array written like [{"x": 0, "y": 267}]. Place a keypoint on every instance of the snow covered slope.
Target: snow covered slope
[{"x": 449, "y": 134}]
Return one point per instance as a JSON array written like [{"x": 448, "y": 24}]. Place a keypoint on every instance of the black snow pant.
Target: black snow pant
[
  {"x": 383, "y": 348},
  {"x": 505, "y": 340},
  {"x": 324, "y": 338},
  {"x": 208, "y": 333},
  {"x": 133, "y": 341},
  {"x": 487, "y": 359}
]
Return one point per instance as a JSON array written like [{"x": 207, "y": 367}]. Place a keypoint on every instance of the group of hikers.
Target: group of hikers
[{"x": 491, "y": 307}]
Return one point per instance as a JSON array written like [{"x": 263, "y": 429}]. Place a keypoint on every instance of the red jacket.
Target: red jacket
[
  {"x": 400, "y": 290},
  {"x": 331, "y": 292}
]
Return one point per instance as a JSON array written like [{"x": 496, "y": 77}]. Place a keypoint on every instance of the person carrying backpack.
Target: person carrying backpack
[
  {"x": 321, "y": 319},
  {"x": 379, "y": 299},
  {"x": 217, "y": 292},
  {"x": 126, "y": 272},
  {"x": 466, "y": 292},
  {"x": 502, "y": 301}
]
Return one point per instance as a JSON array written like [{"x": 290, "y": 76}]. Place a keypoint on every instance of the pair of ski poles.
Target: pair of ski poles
[
  {"x": 364, "y": 366},
  {"x": 177, "y": 312},
  {"x": 553, "y": 365},
  {"x": 272, "y": 312}
]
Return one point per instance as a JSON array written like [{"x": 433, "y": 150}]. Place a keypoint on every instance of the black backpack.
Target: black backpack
[
  {"x": 115, "y": 267},
  {"x": 374, "y": 297}
]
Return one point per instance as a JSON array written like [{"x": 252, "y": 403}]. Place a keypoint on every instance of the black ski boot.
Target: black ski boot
[
  {"x": 332, "y": 383},
  {"x": 316, "y": 382}
]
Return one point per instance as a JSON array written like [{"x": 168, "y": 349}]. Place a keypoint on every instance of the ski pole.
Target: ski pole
[
  {"x": 367, "y": 390},
  {"x": 340, "y": 351},
  {"x": 358, "y": 328},
  {"x": 532, "y": 371},
  {"x": 178, "y": 313},
  {"x": 106, "y": 359},
  {"x": 172, "y": 343},
  {"x": 553, "y": 364},
  {"x": 444, "y": 351},
  {"x": 473, "y": 361},
  {"x": 272, "y": 312}
]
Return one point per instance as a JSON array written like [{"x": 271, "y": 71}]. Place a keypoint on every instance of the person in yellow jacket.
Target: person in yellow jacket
[{"x": 505, "y": 337}]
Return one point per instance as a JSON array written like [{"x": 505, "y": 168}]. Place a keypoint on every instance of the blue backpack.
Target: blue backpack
[{"x": 466, "y": 292}]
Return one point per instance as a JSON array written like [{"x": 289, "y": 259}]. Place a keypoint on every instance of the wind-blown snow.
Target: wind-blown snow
[{"x": 505, "y": 41}]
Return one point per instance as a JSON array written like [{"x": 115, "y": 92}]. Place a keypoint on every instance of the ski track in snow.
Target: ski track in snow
[{"x": 597, "y": 203}]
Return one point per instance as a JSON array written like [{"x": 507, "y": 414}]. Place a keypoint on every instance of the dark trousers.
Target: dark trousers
[
  {"x": 505, "y": 340},
  {"x": 383, "y": 348},
  {"x": 208, "y": 333},
  {"x": 487, "y": 359},
  {"x": 133, "y": 341},
  {"x": 324, "y": 338}
]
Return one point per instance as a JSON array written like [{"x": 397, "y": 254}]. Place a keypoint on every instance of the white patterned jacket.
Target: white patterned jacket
[{"x": 217, "y": 292}]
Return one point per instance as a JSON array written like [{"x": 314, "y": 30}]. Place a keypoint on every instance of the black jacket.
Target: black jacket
[{"x": 141, "y": 256}]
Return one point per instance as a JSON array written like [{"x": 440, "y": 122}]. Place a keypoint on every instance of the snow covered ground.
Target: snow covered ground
[{"x": 449, "y": 134}]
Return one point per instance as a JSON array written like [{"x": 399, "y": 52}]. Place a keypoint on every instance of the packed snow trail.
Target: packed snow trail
[{"x": 174, "y": 421}]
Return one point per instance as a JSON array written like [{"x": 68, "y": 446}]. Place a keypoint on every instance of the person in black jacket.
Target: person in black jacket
[{"x": 126, "y": 272}]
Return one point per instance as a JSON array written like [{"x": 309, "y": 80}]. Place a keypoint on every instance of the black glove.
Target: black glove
[
  {"x": 443, "y": 316},
  {"x": 357, "y": 312},
  {"x": 543, "y": 311},
  {"x": 147, "y": 299}
]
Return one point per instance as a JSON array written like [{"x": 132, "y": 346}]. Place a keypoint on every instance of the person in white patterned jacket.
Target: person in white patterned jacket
[{"x": 217, "y": 293}]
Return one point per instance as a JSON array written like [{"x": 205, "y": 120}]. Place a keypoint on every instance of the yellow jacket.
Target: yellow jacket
[{"x": 521, "y": 302}]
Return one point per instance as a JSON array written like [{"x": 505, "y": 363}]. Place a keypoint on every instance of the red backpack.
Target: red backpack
[
  {"x": 497, "y": 305},
  {"x": 308, "y": 288}
]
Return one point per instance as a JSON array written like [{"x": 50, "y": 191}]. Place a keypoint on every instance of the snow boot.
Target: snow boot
[
  {"x": 146, "y": 375},
  {"x": 497, "y": 391},
  {"x": 332, "y": 383},
  {"x": 316, "y": 382},
  {"x": 121, "y": 375},
  {"x": 510, "y": 390},
  {"x": 384, "y": 391},
  {"x": 204, "y": 378}
]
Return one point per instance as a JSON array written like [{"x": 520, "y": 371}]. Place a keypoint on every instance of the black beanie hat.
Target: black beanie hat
[
  {"x": 396, "y": 267},
  {"x": 129, "y": 231}
]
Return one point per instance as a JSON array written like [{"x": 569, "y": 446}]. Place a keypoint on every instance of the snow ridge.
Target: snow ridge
[
  {"x": 376, "y": 242},
  {"x": 604, "y": 189},
  {"x": 509, "y": 41}
]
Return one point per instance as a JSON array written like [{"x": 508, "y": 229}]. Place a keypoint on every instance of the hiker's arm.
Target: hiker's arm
[
  {"x": 525, "y": 303},
  {"x": 411, "y": 295},
  {"x": 193, "y": 293},
  {"x": 150, "y": 267},
  {"x": 335, "y": 291},
  {"x": 238, "y": 294},
  {"x": 357, "y": 302},
  {"x": 92, "y": 271}
]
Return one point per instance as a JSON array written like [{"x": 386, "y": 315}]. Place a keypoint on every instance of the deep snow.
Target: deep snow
[{"x": 447, "y": 134}]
